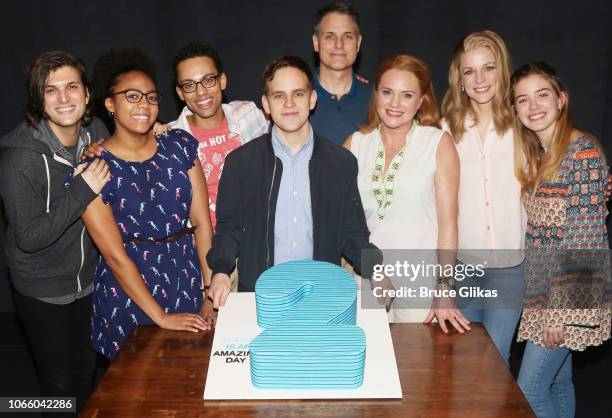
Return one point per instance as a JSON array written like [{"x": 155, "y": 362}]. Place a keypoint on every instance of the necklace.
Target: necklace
[{"x": 384, "y": 194}]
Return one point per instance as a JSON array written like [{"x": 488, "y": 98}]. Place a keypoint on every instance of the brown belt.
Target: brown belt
[{"x": 165, "y": 240}]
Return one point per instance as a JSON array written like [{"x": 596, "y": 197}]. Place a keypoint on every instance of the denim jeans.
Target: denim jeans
[
  {"x": 546, "y": 380},
  {"x": 500, "y": 315}
]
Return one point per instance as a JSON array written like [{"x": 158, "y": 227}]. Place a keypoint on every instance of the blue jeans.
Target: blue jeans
[
  {"x": 546, "y": 380},
  {"x": 499, "y": 315}
]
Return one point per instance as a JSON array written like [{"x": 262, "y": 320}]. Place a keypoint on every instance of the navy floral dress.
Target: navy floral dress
[{"x": 150, "y": 200}]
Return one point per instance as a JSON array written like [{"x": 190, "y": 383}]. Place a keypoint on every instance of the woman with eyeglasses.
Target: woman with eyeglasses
[{"x": 150, "y": 222}]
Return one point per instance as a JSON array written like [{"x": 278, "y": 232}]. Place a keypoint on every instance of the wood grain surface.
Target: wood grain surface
[{"x": 161, "y": 373}]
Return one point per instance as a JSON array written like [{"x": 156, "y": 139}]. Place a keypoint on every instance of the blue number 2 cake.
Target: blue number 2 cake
[{"x": 308, "y": 311}]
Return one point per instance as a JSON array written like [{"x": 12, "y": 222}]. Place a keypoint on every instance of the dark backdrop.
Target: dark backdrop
[{"x": 573, "y": 36}]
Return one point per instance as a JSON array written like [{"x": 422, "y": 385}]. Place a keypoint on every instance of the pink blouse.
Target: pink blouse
[{"x": 491, "y": 215}]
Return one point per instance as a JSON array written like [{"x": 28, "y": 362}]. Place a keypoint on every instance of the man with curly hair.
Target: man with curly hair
[{"x": 219, "y": 127}]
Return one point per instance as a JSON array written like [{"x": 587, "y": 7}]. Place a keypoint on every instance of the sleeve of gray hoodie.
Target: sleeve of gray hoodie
[
  {"x": 24, "y": 191},
  {"x": 97, "y": 130}
]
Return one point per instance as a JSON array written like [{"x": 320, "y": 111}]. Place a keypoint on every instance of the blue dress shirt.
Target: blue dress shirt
[{"x": 293, "y": 218}]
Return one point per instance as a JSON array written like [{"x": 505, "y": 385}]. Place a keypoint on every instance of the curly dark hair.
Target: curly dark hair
[
  {"x": 116, "y": 62},
  {"x": 193, "y": 50},
  {"x": 109, "y": 67},
  {"x": 37, "y": 75}
]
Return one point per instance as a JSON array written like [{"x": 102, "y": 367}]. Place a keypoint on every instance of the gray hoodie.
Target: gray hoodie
[{"x": 48, "y": 250}]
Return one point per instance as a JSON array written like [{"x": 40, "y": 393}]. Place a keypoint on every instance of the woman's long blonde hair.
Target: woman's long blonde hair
[
  {"x": 531, "y": 164},
  {"x": 428, "y": 114},
  {"x": 456, "y": 104}
]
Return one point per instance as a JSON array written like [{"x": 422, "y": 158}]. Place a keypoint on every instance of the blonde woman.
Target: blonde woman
[
  {"x": 562, "y": 172},
  {"x": 476, "y": 111},
  {"x": 408, "y": 174}
]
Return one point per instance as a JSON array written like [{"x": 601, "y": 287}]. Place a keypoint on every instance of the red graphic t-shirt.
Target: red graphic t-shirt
[{"x": 213, "y": 147}]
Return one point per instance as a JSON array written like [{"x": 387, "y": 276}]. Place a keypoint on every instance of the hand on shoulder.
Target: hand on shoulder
[{"x": 95, "y": 174}]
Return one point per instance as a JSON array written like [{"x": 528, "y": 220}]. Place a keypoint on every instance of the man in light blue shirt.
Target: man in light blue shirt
[
  {"x": 293, "y": 221},
  {"x": 276, "y": 201}
]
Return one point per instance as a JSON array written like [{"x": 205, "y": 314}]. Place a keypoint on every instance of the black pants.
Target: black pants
[{"x": 59, "y": 337}]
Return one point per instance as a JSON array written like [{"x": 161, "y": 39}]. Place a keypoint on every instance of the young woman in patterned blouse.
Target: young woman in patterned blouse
[{"x": 563, "y": 176}]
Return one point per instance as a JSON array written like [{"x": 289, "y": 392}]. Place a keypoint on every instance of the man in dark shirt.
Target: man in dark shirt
[
  {"x": 343, "y": 97},
  {"x": 276, "y": 201}
]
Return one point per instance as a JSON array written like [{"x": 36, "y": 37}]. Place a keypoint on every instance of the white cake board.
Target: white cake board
[{"x": 237, "y": 326}]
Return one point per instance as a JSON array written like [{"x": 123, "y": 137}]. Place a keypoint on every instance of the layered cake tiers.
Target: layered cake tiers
[{"x": 308, "y": 310}]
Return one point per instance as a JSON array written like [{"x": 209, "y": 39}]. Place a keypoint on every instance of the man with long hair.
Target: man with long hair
[{"x": 50, "y": 256}]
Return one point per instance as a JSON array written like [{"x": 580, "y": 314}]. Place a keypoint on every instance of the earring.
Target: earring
[
  {"x": 111, "y": 114},
  {"x": 462, "y": 88}
]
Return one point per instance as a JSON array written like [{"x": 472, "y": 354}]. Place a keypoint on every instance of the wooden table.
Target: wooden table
[{"x": 161, "y": 373}]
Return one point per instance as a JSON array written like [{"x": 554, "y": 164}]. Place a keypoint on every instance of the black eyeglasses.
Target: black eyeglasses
[
  {"x": 135, "y": 96},
  {"x": 208, "y": 81}
]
